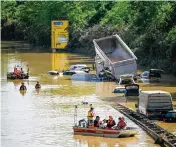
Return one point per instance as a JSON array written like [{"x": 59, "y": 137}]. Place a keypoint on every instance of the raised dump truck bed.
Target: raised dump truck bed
[{"x": 113, "y": 53}]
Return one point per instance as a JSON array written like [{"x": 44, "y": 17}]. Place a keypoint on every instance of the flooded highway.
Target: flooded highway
[{"x": 45, "y": 118}]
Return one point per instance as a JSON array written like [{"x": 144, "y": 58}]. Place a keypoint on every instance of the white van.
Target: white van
[{"x": 154, "y": 104}]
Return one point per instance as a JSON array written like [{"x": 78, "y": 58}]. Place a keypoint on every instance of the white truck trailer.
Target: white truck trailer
[{"x": 154, "y": 104}]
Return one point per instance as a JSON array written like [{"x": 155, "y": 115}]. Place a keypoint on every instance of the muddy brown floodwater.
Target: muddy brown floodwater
[{"x": 45, "y": 118}]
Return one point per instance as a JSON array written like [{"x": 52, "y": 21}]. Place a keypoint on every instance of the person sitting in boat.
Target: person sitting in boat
[
  {"x": 23, "y": 87},
  {"x": 103, "y": 124},
  {"x": 121, "y": 124},
  {"x": 90, "y": 116},
  {"x": 97, "y": 121},
  {"x": 37, "y": 86},
  {"x": 110, "y": 123}
]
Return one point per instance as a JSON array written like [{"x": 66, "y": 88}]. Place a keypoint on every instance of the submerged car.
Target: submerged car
[
  {"x": 120, "y": 91},
  {"x": 152, "y": 75},
  {"x": 170, "y": 116},
  {"x": 77, "y": 68},
  {"x": 128, "y": 90},
  {"x": 85, "y": 77},
  {"x": 126, "y": 79},
  {"x": 132, "y": 90}
]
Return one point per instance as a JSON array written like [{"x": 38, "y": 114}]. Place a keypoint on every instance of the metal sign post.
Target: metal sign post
[{"x": 75, "y": 115}]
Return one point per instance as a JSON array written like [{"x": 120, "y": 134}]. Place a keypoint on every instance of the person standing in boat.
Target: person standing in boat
[
  {"x": 110, "y": 123},
  {"x": 37, "y": 86},
  {"x": 90, "y": 116},
  {"x": 23, "y": 87}
]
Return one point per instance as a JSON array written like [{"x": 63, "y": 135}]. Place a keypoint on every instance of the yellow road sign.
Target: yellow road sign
[{"x": 59, "y": 34}]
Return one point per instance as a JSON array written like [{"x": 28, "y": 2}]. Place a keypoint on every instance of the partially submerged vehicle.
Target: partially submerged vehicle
[
  {"x": 151, "y": 75},
  {"x": 132, "y": 90},
  {"x": 128, "y": 90},
  {"x": 120, "y": 91},
  {"x": 113, "y": 53},
  {"x": 53, "y": 72},
  {"x": 170, "y": 116},
  {"x": 154, "y": 104},
  {"x": 85, "y": 77},
  {"x": 77, "y": 68},
  {"x": 72, "y": 72},
  {"x": 126, "y": 79}
]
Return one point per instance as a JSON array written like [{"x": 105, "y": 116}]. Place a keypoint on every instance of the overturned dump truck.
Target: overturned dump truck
[{"x": 114, "y": 54}]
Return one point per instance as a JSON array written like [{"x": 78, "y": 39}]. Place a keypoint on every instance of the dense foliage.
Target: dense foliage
[{"x": 149, "y": 28}]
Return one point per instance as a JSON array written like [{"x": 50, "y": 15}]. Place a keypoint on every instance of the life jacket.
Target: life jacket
[
  {"x": 90, "y": 115},
  {"x": 122, "y": 124},
  {"x": 96, "y": 123},
  {"x": 110, "y": 122},
  {"x": 17, "y": 73}
]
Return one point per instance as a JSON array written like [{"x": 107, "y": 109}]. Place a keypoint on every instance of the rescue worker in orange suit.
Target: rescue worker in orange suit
[
  {"x": 110, "y": 123},
  {"x": 121, "y": 124},
  {"x": 17, "y": 73},
  {"x": 90, "y": 116}
]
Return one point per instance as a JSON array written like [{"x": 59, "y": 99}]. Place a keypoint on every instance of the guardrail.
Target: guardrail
[{"x": 150, "y": 127}]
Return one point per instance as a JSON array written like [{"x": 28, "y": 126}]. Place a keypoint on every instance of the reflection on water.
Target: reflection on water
[
  {"x": 104, "y": 142},
  {"x": 45, "y": 118},
  {"x": 60, "y": 62}
]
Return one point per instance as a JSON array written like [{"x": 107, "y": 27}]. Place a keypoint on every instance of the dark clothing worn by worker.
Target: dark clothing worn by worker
[
  {"x": 23, "y": 87},
  {"x": 97, "y": 121},
  {"x": 110, "y": 122},
  {"x": 37, "y": 86}
]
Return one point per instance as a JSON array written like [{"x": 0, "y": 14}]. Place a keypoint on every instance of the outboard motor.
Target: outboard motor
[{"x": 83, "y": 123}]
